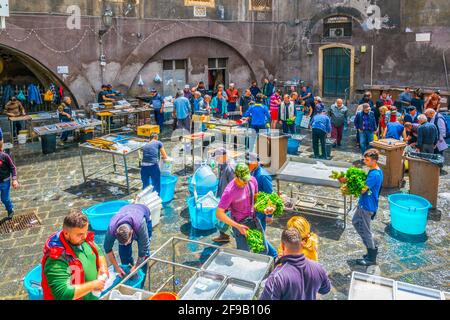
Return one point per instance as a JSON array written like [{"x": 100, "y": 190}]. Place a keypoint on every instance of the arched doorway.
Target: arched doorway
[
  {"x": 19, "y": 70},
  {"x": 336, "y": 70}
]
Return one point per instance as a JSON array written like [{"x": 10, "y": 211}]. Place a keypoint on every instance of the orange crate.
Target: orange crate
[{"x": 147, "y": 129}]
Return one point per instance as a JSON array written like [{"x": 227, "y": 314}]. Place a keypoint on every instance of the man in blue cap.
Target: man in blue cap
[{"x": 157, "y": 103}]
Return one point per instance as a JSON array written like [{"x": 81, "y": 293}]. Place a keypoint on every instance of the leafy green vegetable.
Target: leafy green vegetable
[
  {"x": 264, "y": 200},
  {"x": 255, "y": 240},
  {"x": 356, "y": 180},
  {"x": 290, "y": 121},
  {"x": 337, "y": 175}
]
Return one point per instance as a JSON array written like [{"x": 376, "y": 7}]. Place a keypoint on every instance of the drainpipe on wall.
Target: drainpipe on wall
[
  {"x": 371, "y": 66},
  {"x": 445, "y": 69}
]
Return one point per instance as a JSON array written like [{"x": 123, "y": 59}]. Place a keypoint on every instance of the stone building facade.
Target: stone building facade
[{"x": 337, "y": 46}]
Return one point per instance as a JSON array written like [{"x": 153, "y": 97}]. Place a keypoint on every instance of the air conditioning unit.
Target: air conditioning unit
[
  {"x": 199, "y": 11},
  {"x": 336, "y": 32}
]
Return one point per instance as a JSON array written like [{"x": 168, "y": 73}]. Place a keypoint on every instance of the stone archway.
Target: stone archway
[
  {"x": 196, "y": 51},
  {"x": 131, "y": 67},
  {"x": 40, "y": 72}
]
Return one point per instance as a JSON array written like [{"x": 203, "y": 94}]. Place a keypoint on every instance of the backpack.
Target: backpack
[{"x": 447, "y": 128}]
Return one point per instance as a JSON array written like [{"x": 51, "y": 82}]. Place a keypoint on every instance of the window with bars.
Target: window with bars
[
  {"x": 260, "y": 5},
  {"x": 201, "y": 3},
  {"x": 217, "y": 63},
  {"x": 174, "y": 64}
]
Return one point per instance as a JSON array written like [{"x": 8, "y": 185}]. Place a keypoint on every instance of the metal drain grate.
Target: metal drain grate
[{"x": 19, "y": 223}]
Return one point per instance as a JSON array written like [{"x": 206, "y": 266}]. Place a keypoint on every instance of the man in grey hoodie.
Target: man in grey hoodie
[
  {"x": 226, "y": 175},
  {"x": 338, "y": 115}
]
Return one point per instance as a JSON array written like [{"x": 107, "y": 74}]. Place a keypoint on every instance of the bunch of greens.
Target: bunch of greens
[
  {"x": 265, "y": 200},
  {"x": 355, "y": 180},
  {"x": 337, "y": 175},
  {"x": 290, "y": 121},
  {"x": 255, "y": 240}
]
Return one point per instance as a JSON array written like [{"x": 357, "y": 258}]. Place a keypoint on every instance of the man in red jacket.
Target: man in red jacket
[
  {"x": 73, "y": 266},
  {"x": 233, "y": 97}
]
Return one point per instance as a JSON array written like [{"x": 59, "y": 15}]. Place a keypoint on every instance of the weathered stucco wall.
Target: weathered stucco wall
[{"x": 285, "y": 46}]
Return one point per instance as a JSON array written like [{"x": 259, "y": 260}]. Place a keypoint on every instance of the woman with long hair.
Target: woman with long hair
[{"x": 309, "y": 239}]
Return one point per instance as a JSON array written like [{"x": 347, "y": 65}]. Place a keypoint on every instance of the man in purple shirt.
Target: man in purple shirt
[
  {"x": 295, "y": 277},
  {"x": 239, "y": 198}
]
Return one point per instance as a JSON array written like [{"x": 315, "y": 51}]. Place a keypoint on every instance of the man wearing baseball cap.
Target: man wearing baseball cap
[
  {"x": 264, "y": 181},
  {"x": 226, "y": 175},
  {"x": 157, "y": 103},
  {"x": 239, "y": 198}
]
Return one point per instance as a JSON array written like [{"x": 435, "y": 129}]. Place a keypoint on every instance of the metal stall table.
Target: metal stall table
[
  {"x": 125, "y": 148},
  {"x": 317, "y": 173},
  {"x": 365, "y": 286},
  {"x": 193, "y": 138},
  {"x": 26, "y": 118},
  {"x": 221, "y": 274},
  {"x": 231, "y": 129},
  {"x": 106, "y": 116}
]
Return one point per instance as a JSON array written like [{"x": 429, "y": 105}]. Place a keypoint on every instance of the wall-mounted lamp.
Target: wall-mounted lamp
[
  {"x": 363, "y": 49},
  {"x": 107, "y": 20}
]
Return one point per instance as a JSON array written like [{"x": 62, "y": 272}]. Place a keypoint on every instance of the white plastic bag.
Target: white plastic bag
[
  {"x": 157, "y": 78},
  {"x": 140, "y": 82}
]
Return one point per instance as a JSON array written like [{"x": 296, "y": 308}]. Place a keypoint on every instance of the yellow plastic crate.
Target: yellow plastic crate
[{"x": 147, "y": 130}]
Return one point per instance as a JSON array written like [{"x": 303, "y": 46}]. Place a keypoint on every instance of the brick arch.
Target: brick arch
[
  {"x": 147, "y": 50},
  {"x": 36, "y": 67}
]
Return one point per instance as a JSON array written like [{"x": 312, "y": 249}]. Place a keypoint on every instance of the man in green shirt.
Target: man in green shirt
[{"x": 74, "y": 267}]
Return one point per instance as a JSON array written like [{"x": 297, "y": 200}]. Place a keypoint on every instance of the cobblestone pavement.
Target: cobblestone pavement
[{"x": 52, "y": 184}]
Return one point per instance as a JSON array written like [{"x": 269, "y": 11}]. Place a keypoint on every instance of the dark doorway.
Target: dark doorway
[{"x": 336, "y": 71}]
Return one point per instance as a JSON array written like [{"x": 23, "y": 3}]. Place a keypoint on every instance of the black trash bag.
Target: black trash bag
[{"x": 436, "y": 159}]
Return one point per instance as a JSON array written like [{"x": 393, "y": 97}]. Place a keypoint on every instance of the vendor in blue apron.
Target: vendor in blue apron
[
  {"x": 132, "y": 223},
  {"x": 65, "y": 115},
  {"x": 150, "y": 163}
]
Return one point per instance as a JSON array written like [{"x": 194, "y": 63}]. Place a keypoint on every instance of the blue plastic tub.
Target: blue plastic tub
[
  {"x": 201, "y": 218},
  {"x": 32, "y": 283},
  {"x": 293, "y": 145},
  {"x": 135, "y": 282},
  {"x": 168, "y": 184},
  {"x": 202, "y": 190},
  {"x": 33, "y": 279},
  {"x": 100, "y": 214},
  {"x": 409, "y": 213}
]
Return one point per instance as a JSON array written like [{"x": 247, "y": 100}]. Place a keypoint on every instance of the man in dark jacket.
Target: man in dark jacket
[
  {"x": 295, "y": 277},
  {"x": 226, "y": 175},
  {"x": 366, "y": 125},
  {"x": 132, "y": 222},
  {"x": 254, "y": 88}
]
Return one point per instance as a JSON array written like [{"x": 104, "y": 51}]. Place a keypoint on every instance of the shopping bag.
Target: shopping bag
[{"x": 305, "y": 122}]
